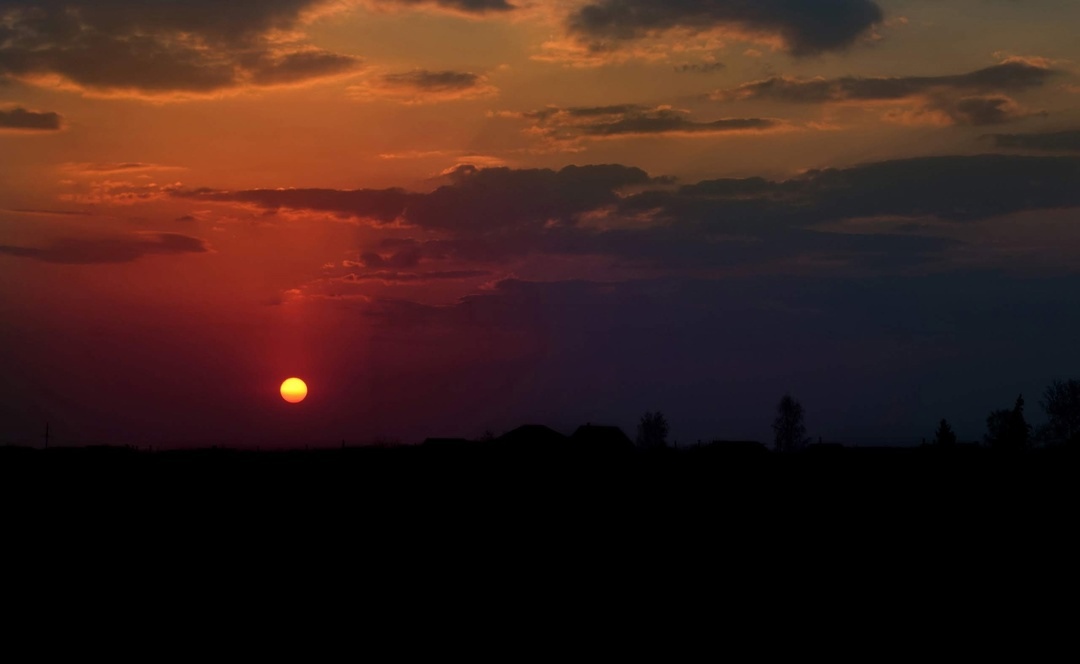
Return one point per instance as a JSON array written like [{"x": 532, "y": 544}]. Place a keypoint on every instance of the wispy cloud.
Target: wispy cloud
[
  {"x": 100, "y": 250},
  {"x": 1008, "y": 76},
  {"x": 570, "y": 126},
  {"x": 97, "y": 169},
  {"x": 422, "y": 86},
  {"x": 975, "y": 98},
  {"x": 700, "y": 67}
]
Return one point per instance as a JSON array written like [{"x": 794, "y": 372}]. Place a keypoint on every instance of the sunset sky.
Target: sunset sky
[{"x": 452, "y": 216}]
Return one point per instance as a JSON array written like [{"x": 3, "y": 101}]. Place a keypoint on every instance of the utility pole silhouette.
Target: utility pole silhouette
[{"x": 46, "y": 435}]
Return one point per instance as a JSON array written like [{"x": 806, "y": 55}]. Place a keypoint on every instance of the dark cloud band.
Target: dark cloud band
[
  {"x": 188, "y": 46},
  {"x": 597, "y": 122},
  {"x": 1057, "y": 141},
  {"x": 1011, "y": 76},
  {"x": 805, "y": 27},
  {"x": 23, "y": 120},
  {"x": 494, "y": 215}
]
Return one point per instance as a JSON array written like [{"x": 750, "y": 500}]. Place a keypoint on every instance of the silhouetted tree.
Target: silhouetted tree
[
  {"x": 1007, "y": 429},
  {"x": 652, "y": 430},
  {"x": 944, "y": 435},
  {"x": 788, "y": 427},
  {"x": 1061, "y": 401}
]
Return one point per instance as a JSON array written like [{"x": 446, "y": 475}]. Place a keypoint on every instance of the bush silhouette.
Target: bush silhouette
[{"x": 652, "y": 430}]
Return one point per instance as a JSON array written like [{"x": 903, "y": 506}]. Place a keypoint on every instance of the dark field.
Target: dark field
[{"x": 724, "y": 533}]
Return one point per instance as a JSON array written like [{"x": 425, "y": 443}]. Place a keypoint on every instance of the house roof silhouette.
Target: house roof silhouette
[
  {"x": 592, "y": 436},
  {"x": 533, "y": 435}
]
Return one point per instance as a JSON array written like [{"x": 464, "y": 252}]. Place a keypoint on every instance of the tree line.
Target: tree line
[{"x": 1006, "y": 428}]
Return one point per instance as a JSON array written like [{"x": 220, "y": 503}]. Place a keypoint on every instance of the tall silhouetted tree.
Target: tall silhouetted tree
[
  {"x": 944, "y": 435},
  {"x": 1007, "y": 429},
  {"x": 1061, "y": 401},
  {"x": 652, "y": 430},
  {"x": 788, "y": 427}
]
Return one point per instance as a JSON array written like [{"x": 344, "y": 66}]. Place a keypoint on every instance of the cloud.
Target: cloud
[
  {"x": 20, "y": 119},
  {"x": 1009, "y": 76},
  {"x": 569, "y": 126},
  {"x": 700, "y": 68},
  {"x": 954, "y": 188},
  {"x": 125, "y": 249},
  {"x": 802, "y": 28},
  {"x": 161, "y": 49},
  {"x": 391, "y": 277},
  {"x": 64, "y": 213},
  {"x": 1057, "y": 141},
  {"x": 477, "y": 199},
  {"x": 469, "y": 7},
  {"x": 393, "y": 253},
  {"x": 382, "y": 206},
  {"x": 966, "y": 111},
  {"x": 310, "y": 63},
  {"x": 976, "y": 111},
  {"x": 120, "y": 192},
  {"x": 423, "y": 86},
  {"x": 495, "y": 216},
  {"x": 816, "y": 221},
  {"x": 975, "y": 98},
  {"x": 572, "y": 51},
  {"x": 96, "y": 169}
]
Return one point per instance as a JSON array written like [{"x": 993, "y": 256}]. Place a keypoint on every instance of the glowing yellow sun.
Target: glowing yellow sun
[{"x": 294, "y": 390}]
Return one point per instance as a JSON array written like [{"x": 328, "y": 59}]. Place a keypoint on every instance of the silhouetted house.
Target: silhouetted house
[
  {"x": 532, "y": 437},
  {"x": 594, "y": 438}
]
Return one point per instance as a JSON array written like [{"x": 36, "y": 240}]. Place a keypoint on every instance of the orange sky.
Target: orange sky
[{"x": 138, "y": 141}]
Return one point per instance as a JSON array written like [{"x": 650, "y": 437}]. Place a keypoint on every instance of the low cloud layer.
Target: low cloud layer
[
  {"x": 20, "y": 119},
  {"x": 85, "y": 251},
  {"x": 803, "y": 28},
  {"x": 492, "y": 216},
  {"x": 477, "y": 199}
]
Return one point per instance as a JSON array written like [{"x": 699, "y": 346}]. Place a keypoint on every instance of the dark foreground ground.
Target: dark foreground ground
[
  {"x": 705, "y": 485},
  {"x": 724, "y": 543}
]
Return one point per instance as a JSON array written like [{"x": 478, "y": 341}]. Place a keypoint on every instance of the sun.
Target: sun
[{"x": 294, "y": 390}]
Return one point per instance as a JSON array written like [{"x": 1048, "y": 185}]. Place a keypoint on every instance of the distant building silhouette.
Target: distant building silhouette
[{"x": 533, "y": 436}]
